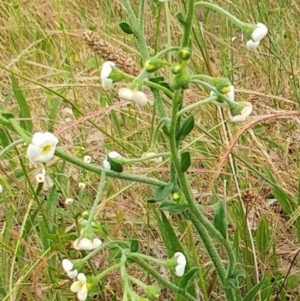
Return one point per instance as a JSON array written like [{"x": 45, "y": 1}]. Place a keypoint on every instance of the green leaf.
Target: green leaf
[
  {"x": 26, "y": 124},
  {"x": 263, "y": 240},
  {"x": 134, "y": 246},
  {"x": 7, "y": 115},
  {"x": 115, "y": 166},
  {"x": 186, "y": 127},
  {"x": 157, "y": 79},
  {"x": 220, "y": 221},
  {"x": 180, "y": 18},
  {"x": 185, "y": 161},
  {"x": 285, "y": 200},
  {"x": 292, "y": 282},
  {"x": 171, "y": 241},
  {"x": 171, "y": 206},
  {"x": 253, "y": 292},
  {"x": 187, "y": 280},
  {"x": 125, "y": 27},
  {"x": 160, "y": 193}
]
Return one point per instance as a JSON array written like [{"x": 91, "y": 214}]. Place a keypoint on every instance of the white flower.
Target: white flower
[
  {"x": 40, "y": 178},
  {"x": 111, "y": 155},
  {"x": 87, "y": 159},
  {"x": 136, "y": 96},
  {"x": 181, "y": 263},
  {"x": 42, "y": 147},
  {"x": 1, "y": 188},
  {"x": 257, "y": 35},
  {"x": 259, "y": 32},
  {"x": 156, "y": 160},
  {"x": 107, "y": 68},
  {"x": 81, "y": 185},
  {"x": 69, "y": 201},
  {"x": 244, "y": 114},
  {"x": 222, "y": 103},
  {"x": 86, "y": 244},
  {"x": 68, "y": 267},
  {"x": 80, "y": 287}
]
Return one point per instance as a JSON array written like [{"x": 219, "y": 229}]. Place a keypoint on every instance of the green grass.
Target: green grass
[{"x": 41, "y": 45}]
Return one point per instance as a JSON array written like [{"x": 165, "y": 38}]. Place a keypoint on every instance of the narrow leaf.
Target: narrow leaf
[
  {"x": 253, "y": 292},
  {"x": 171, "y": 206},
  {"x": 185, "y": 161},
  {"x": 220, "y": 221},
  {"x": 26, "y": 124},
  {"x": 126, "y": 27},
  {"x": 160, "y": 193},
  {"x": 186, "y": 127}
]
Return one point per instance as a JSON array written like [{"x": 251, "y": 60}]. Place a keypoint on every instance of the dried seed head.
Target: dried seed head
[{"x": 110, "y": 53}]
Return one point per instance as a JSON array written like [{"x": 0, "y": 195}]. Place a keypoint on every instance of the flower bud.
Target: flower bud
[
  {"x": 180, "y": 80},
  {"x": 154, "y": 64},
  {"x": 185, "y": 53},
  {"x": 152, "y": 291}
]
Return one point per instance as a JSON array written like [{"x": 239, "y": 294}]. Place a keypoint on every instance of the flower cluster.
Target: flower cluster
[{"x": 86, "y": 244}]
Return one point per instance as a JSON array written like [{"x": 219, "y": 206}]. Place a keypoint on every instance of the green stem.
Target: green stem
[
  {"x": 97, "y": 200},
  {"x": 11, "y": 146},
  {"x": 157, "y": 130},
  {"x": 141, "y": 15},
  {"x": 188, "y": 23},
  {"x": 159, "y": 87},
  {"x": 199, "y": 221},
  {"x": 212, "y": 88},
  {"x": 195, "y": 105},
  {"x": 98, "y": 170},
  {"x": 146, "y": 257},
  {"x": 108, "y": 270},
  {"x": 212, "y": 251},
  {"x": 136, "y": 160},
  {"x": 221, "y": 10},
  {"x": 166, "y": 50},
  {"x": 163, "y": 281},
  {"x": 168, "y": 24}
]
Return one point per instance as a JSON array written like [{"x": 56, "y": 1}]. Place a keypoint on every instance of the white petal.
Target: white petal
[
  {"x": 230, "y": 94},
  {"x": 259, "y": 32},
  {"x": 67, "y": 265},
  {"x": 81, "y": 277},
  {"x": 38, "y": 139},
  {"x": 51, "y": 139},
  {"x": 97, "y": 242},
  {"x": 181, "y": 260},
  {"x": 252, "y": 45},
  {"x": 179, "y": 270},
  {"x": 72, "y": 274},
  {"x": 33, "y": 152},
  {"x": 86, "y": 244},
  {"x": 140, "y": 98},
  {"x": 76, "y": 244},
  {"x": 237, "y": 118},
  {"x": 76, "y": 286},
  {"x": 81, "y": 185},
  {"x": 82, "y": 294},
  {"x": 126, "y": 94},
  {"x": 114, "y": 155},
  {"x": 106, "y": 69},
  {"x": 106, "y": 83},
  {"x": 1, "y": 188},
  {"x": 106, "y": 165}
]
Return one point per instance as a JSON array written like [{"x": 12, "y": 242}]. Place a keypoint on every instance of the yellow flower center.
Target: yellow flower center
[{"x": 46, "y": 149}]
